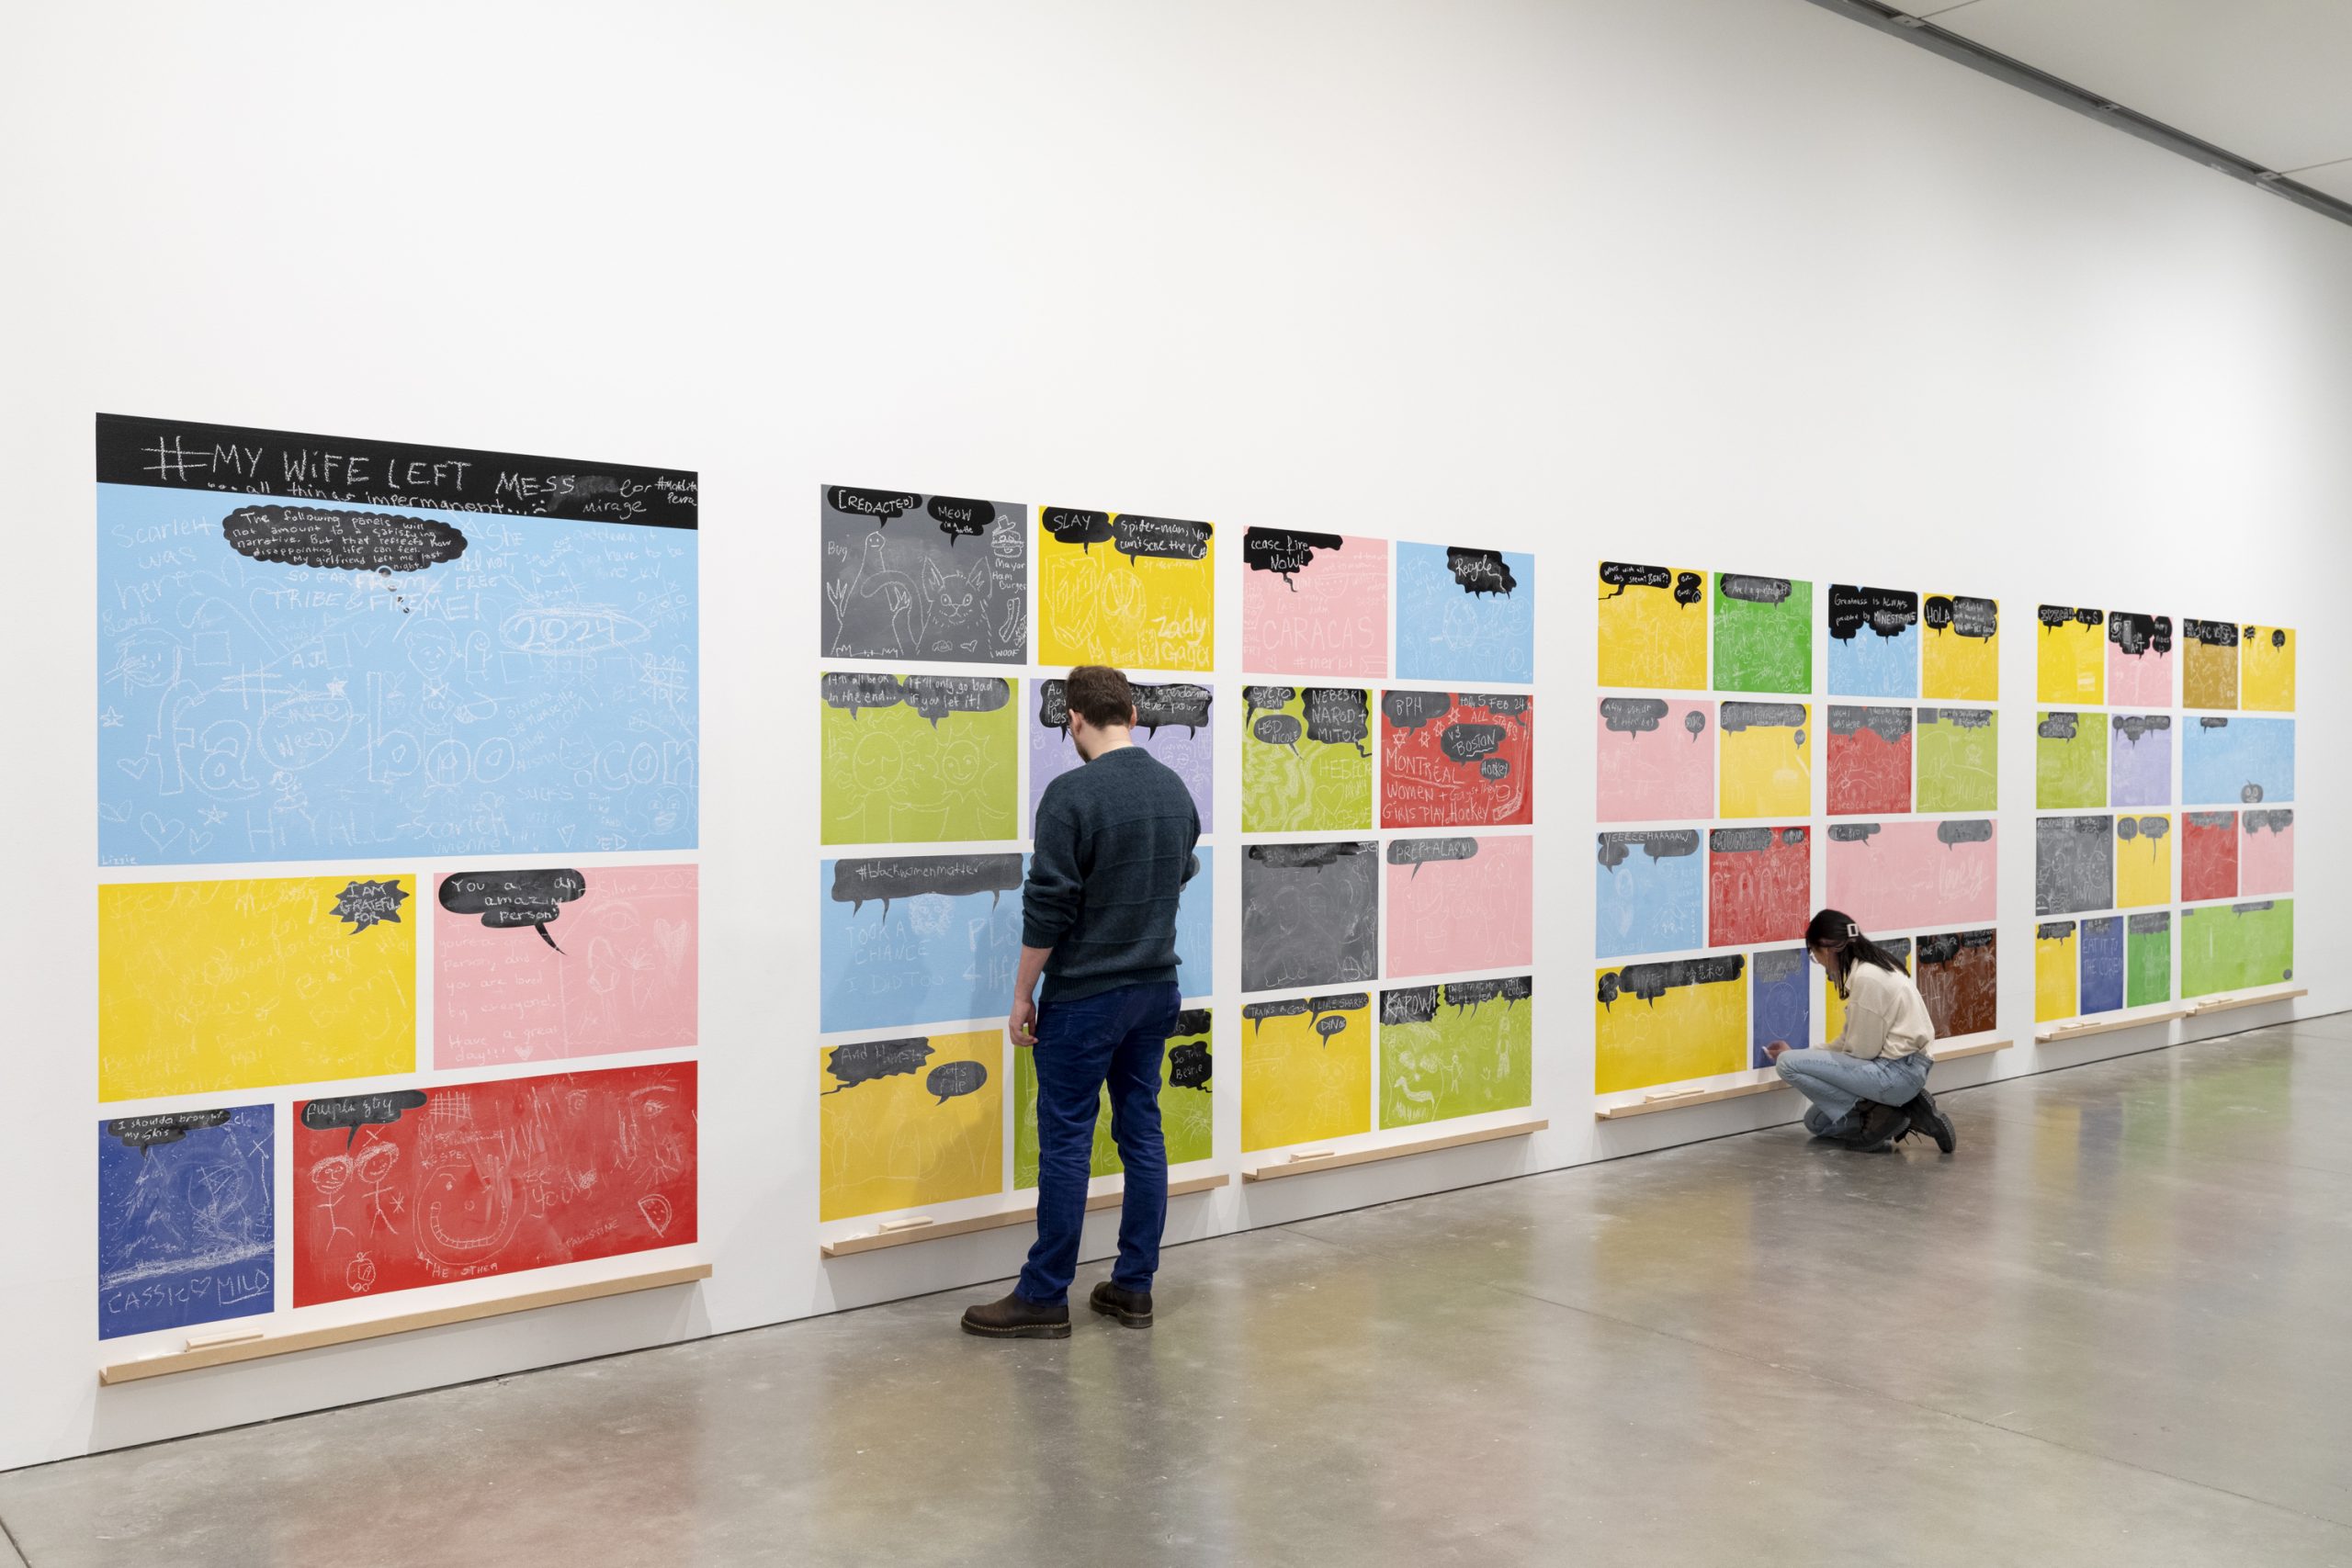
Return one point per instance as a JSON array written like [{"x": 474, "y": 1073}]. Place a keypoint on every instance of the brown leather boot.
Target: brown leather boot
[
  {"x": 1016, "y": 1317},
  {"x": 1130, "y": 1307},
  {"x": 1881, "y": 1124}
]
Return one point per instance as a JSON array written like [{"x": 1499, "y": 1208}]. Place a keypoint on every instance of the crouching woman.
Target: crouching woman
[{"x": 1868, "y": 1087}]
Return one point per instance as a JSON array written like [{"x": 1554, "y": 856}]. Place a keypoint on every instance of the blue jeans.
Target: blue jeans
[
  {"x": 1834, "y": 1081},
  {"x": 1116, "y": 1037}
]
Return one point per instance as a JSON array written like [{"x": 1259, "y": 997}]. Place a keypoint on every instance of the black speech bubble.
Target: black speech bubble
[
  {"x": 329, "y": 540},
  {"x": 1470, "y": 742},
  {"x": 1052, "y": 706},
  {"x": 508, "y": 900},
  {"x": 884, "y": 506},
  {"x": 143, "y": 1132},
  {"x": 1258, "y": 1012},
  {"x": 2151, "y": 828},
  {"x": 2212, "y": 634},
  {"x": 352, "y": 1111},
  {"x": 1179, "y": 702},
  {"x": 1311, "y": 857},
  {"x": 1478, "y": 573},
  {"x": 2136, "y": 635},
  {"x": 1189, "y": 1066},
  {"x": 2211, "y": 819},
  {"x": 2157, "y": 923},
  {"x": 1886, "y": 612},
  {"x": 1753, "y": 590},
  {"x": 855, "y": 882},
  {"x": 1853, "y": 832},
  {"x": 1494, "y": 770},
  {"x": 1471, "y": 995},
  {"x": 1745, "y": 841},
  {"x": 960, "y": 519},
  {"x": 859, "y": 689},
  {"x": 1338, "y": 1001},
  {"x": 365, "y": 904},
  {"x": 2279, "y": 637},
  {"x": 2054, "y": 931},
  {"x": 1278, "y": 729},
  {"x": 862, "y": 1061},
  {"x": 1737, "y": 717},
  {"x": 2276, "y": 820},
  {"x": 2134, "y": 726},
  {"x": 1338, "y": 715},
  {"x": 1189, "y": 1022},
  {"x": 1622, "y": 575},
  {"x": 936, "y": 696},
  {"x": 1328, "y": 1027},
  {"x": 1634, "y": 716},
  {"x": 1890, "y": 725},
  {"x": 1959, "y": 719},
  {"x": 1651, "y": 981},
  {"x": 1418, "y": 852},
  {"x": 1979, "y": 618},
  {"x": 2057, "y": 726},
  {"x": 1287, "y": 551},
  {"x": 1267, "y": 698},
  {"x": 1408, "y": 1005},
  {"x": 1500, "y": 705},
  {"x": 1944, "y": 948},
  {"x": 1754, "y": 840},
  {"x": 1135, "y": 536},
  {"x": 1972, "y": 831},
  {"x": 1410, "y": 710},
  {"x": 950, "y": 1079},
  {"x": 1070, "y": 526}
]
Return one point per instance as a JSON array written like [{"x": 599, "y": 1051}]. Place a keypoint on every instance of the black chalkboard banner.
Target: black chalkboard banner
[{"x": 181, "y": 455}]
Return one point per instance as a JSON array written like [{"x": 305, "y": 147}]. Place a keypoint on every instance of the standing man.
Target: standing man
[{"x": 1098, "y": 921}]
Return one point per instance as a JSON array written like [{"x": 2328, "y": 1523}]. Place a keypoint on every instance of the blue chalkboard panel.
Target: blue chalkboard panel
[{"x": 188, "y": 1226}]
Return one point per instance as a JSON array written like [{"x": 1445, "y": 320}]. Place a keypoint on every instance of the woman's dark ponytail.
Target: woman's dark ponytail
[{"x": 1835, "y": 931}]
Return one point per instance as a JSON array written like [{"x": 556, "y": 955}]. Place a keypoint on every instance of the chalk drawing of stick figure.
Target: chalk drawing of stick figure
[{"x": 331, "y": 1176}]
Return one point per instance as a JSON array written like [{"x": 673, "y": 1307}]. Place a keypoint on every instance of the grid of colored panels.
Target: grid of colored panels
[
  {"x": 1734, "y": 801},
  {"x": 435, "y": 657},
  {"x": 1387, "y": 857},
  {"x": 2165, "y": 781}
]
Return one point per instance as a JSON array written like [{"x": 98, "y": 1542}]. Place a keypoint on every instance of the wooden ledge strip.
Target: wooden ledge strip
[
  {"x": 1693, "y": 1096},
  {"x": 1392, "y": 1151},
  {"x": 255, "y": 1347},
  {"x": 849, "y": 1247},
  {"x": 2204, "y": 1005},
  {"x": 2097, "y": 1025},
  {"x": 1973, "y": 1048},
  {"x": 1676, "y": 1100}
]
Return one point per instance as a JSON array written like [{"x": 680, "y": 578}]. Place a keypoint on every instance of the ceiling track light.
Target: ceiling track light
[{"x": 1919, "y": 32}]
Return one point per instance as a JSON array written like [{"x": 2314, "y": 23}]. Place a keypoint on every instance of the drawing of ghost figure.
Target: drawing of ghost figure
[{"x": 872, "y": 579}]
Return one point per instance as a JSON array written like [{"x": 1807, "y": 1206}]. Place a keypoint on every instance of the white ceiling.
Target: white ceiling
[{"x": 2269, "y": 80}]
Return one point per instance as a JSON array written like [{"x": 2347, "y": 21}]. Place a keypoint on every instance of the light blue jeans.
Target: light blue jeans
[{"x": 1834, "y": 1081}]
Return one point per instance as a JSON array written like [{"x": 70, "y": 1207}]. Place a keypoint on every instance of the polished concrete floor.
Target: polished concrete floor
[{"x": 2116, "y": 1328}]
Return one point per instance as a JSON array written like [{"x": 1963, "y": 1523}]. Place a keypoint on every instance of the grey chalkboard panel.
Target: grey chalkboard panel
[
  {"x": 927, "y": 578},
  {"x": 1310, "y": 915},
  {"x": 2074, "y": 864}
]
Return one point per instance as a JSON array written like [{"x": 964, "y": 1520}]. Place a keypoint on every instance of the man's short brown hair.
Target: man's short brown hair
[{"x": 1101, "y": 695}]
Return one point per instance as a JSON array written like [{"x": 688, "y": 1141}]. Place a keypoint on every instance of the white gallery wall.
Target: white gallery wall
[{"x": 1729, "y": 284}]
